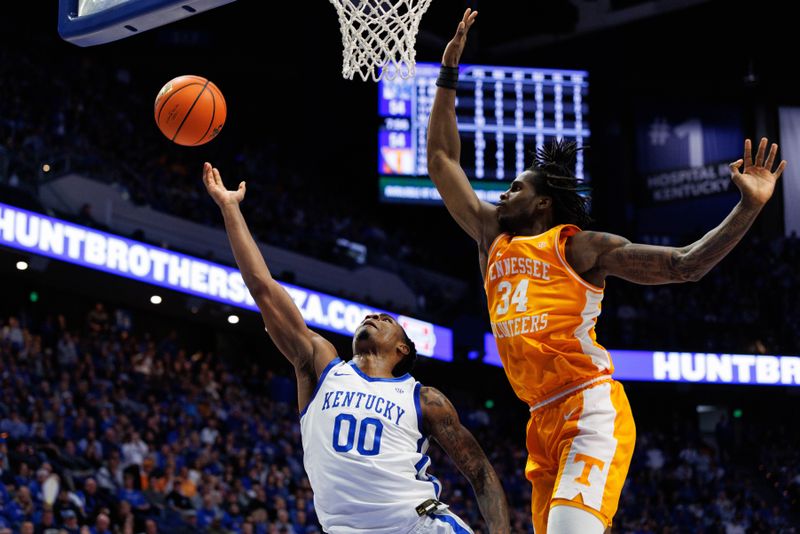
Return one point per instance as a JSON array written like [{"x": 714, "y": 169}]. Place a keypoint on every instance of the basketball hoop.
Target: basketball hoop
[{"x": 378, "y": 37}]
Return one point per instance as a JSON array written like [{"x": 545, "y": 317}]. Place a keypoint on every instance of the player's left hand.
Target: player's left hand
[
  {"x": 757, "y": 182},
  {"x": 217, "y": 190},
  {"x": 452, "y": 54}
]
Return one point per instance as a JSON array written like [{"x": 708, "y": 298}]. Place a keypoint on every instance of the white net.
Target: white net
[{"x": 379, "y": 37}]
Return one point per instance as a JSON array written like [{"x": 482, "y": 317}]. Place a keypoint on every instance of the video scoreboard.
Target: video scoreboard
[{"x": 504, "y": 113}]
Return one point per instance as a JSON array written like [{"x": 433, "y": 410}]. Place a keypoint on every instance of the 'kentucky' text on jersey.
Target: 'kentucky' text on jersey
[{"x": 364, "y": 452}]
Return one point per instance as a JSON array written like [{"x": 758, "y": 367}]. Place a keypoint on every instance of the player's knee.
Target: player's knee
[{"x": 565, "y": 519}]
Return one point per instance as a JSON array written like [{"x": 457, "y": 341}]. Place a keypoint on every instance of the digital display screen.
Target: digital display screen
[
  {"x": 47, "y": 236},
  {"x": 95, "y": 22},
  {"x": 698, "y": 367},
  {"x": 504, "y": 114},
  {"x": 89, "y": 7}
]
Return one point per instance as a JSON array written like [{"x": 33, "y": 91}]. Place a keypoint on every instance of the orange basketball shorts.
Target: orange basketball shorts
[{"x": 579, "y": 448}]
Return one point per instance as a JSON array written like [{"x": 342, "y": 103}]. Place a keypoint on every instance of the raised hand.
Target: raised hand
[
  {"x": 757, "y": 182},
  {"x": 217, "y": 189},
  {"x": 452, "y": 54}
]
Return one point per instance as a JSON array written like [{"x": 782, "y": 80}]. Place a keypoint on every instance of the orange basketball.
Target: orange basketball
[{"x": 190, "y": 110}]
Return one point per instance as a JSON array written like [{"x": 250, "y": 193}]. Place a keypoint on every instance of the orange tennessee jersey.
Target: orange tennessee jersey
[{"x": 543, "y": 315}]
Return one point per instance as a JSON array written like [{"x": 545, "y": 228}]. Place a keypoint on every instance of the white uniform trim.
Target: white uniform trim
[
  {"x": 589, "y": 316},
  {"x": 595, "y": 439},
  {"x": 441, "y": 522},
  {"x": 564, "y": 519},
  {"x": 570, "y": 391}
]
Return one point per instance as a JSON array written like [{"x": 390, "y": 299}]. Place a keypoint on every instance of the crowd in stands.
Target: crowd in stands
[
  {"x": 53, "y": 120},
  {"x": 48, "y": 117},
  {"x": 681, "y": 483},
  {"x": 780, "y": 462},
  {"x": 119, "y": 432},
  {"x": 109, "y": 429},
  {"x": 745, "y": 304}
]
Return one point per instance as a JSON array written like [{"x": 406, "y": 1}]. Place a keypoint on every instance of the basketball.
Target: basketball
[
  {"x": 298, "y": 300},
  {"x": 190, "y": 110}
]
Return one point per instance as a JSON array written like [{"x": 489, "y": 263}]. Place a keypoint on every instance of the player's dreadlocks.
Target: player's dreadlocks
[{"x": 553, "y": 173}]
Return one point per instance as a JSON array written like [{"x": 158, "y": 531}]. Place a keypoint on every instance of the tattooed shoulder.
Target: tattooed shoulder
[{"x": 431, "y": 397}]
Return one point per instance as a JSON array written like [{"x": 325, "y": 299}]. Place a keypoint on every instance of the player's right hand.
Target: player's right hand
[
  {"x": 217, "y": 190},
  {"x": 452, "y": 54},
  {"x": 757, "y": 181}
]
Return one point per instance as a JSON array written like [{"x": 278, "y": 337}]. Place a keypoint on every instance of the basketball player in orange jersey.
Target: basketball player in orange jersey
[{"x": 544, "y": 280}]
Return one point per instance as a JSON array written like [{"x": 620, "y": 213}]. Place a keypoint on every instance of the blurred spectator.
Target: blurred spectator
[
  {"x": 85, "y": 215},
  {"x": 98, "y": 319},
  {"x": 219, "y": 449},
  {"x": 102, "y": 525}
]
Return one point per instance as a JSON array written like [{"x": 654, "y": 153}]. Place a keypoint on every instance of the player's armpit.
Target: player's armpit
[
  {"x": 305, "y": 349},
  {"x": 443, "y": 425},
  {"x": 476, "y": 217}
]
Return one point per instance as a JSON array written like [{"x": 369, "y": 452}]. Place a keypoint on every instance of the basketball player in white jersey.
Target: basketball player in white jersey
[{"x": 365, "y": 423}]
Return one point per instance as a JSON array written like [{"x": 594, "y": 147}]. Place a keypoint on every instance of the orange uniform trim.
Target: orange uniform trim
[
  {"x": 562, "y": 254},
  {"x": 491, "y": 249},
  {"x": 570, "y": 389}
]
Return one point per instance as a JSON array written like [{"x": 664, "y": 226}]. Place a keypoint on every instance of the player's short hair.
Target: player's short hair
[
  {"x": 553, "y": 176},
  {"x": 406, "y": 364}
]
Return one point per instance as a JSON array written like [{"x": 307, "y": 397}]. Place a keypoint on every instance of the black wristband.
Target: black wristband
[{"x": 448, "y": 78}]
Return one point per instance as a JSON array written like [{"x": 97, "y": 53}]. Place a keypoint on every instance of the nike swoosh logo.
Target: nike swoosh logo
[
  {"x": 336, "y": 373},
  {"x": 568, "y": 415}
]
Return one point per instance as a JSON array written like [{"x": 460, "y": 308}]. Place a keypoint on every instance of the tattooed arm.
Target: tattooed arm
[
  {"x": 442, "y": 424},
  {"x": 596, "y": 255}
]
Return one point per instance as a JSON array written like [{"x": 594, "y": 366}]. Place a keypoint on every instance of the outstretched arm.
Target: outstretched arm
[
  {"x": 597, "y": 255},
  {"x": 475, "y": 217},
  {"x": 306, "y": 350},
  {"x": 441, "y": 422}
]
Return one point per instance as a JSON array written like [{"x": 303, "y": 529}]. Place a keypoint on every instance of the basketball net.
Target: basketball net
[{"x": 378, "y": 37}]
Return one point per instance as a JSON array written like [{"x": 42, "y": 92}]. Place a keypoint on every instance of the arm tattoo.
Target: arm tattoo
[
  {"x": 646, "y": 264},
  {"x": 460, "y": 445},
  {"x": 431, "y": 399},
  {"x": 702, "y": 255}
]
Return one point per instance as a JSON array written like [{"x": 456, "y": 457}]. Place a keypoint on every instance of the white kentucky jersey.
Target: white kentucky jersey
[{"x": 364, "y": 451}]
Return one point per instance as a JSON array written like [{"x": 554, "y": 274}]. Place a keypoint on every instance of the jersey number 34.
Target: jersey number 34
[{"x": 519, "y": 296}]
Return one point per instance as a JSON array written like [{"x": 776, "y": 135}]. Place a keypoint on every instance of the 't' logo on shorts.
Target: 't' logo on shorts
[{"x": 588, "y": 463}]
